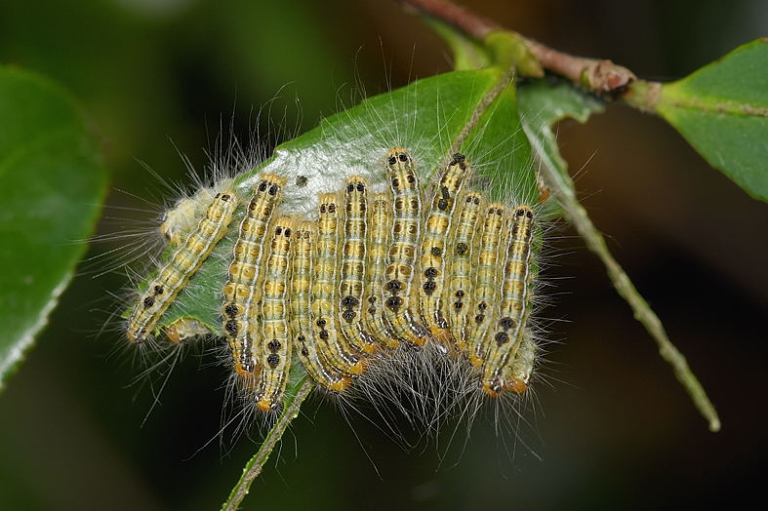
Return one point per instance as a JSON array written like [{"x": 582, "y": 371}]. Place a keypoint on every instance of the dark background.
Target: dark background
[{"x": 614, "y": 430}]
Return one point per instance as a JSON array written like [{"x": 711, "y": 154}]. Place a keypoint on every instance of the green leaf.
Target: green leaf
[
  {"x": 542, "y": 105},
  {"x": 722, "y": 110},
  {"x": 53, "y": 184},
  {"x": 509, "y": 51},
  {"x": 501, "y": 48},
  {"x": 467, "y": 53}
]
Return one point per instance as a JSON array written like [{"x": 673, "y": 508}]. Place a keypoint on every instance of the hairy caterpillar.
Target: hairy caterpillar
[
  {"x": 242, "y": 292},
  {"x": 184, "y": 263}
]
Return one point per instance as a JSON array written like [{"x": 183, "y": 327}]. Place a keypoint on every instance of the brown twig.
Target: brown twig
[
  {"x": 465, "y": 20},
  {"x": 599, "y": 76}
]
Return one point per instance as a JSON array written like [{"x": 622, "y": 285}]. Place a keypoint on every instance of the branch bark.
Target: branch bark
[{"x": 600, "y": 76}]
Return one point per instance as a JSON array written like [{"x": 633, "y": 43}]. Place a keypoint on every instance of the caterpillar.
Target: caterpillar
[
  {"x": 242, "y": 291},
  {"x": 184, "y": 263},
  {"x": 275, "y": 352},
  {"x": 309, "y": 352},
  {"x": 363, "y": 280}
]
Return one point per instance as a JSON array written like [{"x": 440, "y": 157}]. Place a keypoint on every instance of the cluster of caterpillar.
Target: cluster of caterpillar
[{"x": 374, "y": 275}]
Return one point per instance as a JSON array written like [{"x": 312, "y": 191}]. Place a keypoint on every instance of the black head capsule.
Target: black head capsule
[{"x": 400, "y": 162}]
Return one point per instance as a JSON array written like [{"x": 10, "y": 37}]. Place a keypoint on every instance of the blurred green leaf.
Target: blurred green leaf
[
  {"x": 509, "y": 51},
  {"x": 53, "y": 184},
  {"x": 722, "y": 110},
  {"x": 467, "y": 53}
]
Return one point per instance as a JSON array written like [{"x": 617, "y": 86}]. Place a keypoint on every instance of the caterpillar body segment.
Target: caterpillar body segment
[
  {"x": 275, "y": 352},
  {"x": 353, "y": 260},
  {"x": 459, "y": 291},
  {"x": 433, "y": 248},
  {"x": 487, "y": 281},
  {"x": 242, "y": 292},
  {"x": 516, "y": 301},
  {"x": 325, "y": 303},
  {"x": 380, "y": 227},
  {"x": 518, "y": 374},
  {"x": 182, "y": 218},
  {"x": 183, "y": 264},
  {"x": 398, "y": 309},
  {"x": 185, "y": 328}
]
